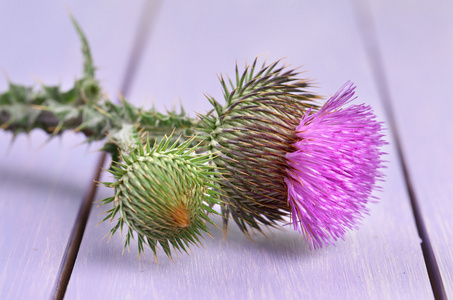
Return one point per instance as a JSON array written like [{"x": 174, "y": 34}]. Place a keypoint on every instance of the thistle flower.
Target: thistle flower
[
  {"x": 281, "y": 155},
  {"x": 164, "y": 194},
  {"x": 335, "y": 166}
]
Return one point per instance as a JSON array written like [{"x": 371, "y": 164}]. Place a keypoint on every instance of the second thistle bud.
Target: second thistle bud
[{"x": 164, "y": 194}]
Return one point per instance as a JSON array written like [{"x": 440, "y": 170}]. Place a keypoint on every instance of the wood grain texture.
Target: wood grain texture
[
  {"x": 191, "y": 44},
  {"x": 416, "y": 42},
  {"x": 42, "y": 185}
]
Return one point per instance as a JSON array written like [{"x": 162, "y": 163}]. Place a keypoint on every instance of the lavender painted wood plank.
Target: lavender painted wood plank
[
  {"x": 416, "y": 40},
  {"x": 192, "y": 42},
  {"x": 41, "y": 189},
  {"x": 40, "y": 192}
]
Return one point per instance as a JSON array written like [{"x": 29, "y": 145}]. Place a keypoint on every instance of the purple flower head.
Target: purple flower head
[
  {"x": 334, "y": 168},
  {"x": 280, "y": 154}
]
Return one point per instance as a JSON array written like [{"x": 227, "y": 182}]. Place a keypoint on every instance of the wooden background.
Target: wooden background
[{"x": 399, "y": 53}]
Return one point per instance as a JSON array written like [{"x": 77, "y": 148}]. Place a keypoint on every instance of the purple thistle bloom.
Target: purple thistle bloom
[
  {"x": 335, "y": 168},
  {"x": 280, "y": 154}
]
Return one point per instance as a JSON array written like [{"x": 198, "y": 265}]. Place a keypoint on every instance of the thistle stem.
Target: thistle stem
[{"x": 22, "y": 110}]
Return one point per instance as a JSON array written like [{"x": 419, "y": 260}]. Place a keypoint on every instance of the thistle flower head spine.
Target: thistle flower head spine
[{"x": 252, "y": 132}]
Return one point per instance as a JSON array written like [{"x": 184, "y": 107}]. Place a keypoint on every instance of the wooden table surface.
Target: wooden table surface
[{"x": 398, "y": 53}]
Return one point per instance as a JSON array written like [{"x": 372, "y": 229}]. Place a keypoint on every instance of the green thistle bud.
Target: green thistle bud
[
  {"x": 90, "y": 90},
  {"x": 164, "y": 194},
  {"x": 252, "y": 132}
]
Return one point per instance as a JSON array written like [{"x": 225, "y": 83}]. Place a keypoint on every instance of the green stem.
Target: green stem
[{"x": 22, "y": 110}]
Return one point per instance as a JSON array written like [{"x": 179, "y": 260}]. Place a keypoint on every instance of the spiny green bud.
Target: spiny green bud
[
  {"x": 252, "y": 132},
  {"x": 90, "y": 90},
  {"x": 164, "y": 194}
]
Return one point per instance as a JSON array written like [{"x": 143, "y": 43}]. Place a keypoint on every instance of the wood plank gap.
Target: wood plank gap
[
  {"x": 75, "y": 239},
  {"x": 147, "y": 21},
  {"x": 367, "y": 30},
  {"x": 147, "y": 18}
]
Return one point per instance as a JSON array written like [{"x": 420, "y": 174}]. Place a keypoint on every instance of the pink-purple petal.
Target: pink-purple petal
[{"x": 335, "y": 168}]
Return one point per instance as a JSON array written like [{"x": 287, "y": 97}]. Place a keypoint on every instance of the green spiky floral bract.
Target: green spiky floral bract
[
  {"x": 164, "y": 194},
  {"x": 252, "y": 132}
]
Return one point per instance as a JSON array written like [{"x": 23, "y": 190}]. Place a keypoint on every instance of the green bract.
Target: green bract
[
  {"x": 252, "y": 132},
  {"x": 164, "y": 194}
]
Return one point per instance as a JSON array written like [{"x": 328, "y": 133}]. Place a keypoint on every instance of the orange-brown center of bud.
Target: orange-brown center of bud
[{"x": 180, "y": 216}]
